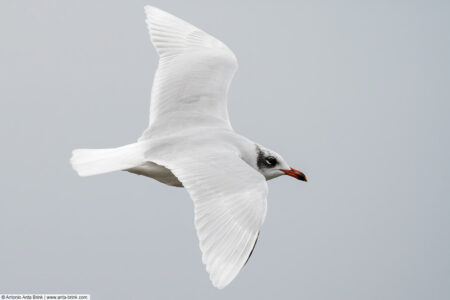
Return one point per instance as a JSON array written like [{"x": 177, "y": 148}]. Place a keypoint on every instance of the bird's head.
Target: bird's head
[{"x": 271, "y": 165}]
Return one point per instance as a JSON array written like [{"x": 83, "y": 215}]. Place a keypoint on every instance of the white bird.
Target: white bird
[{"x": 190, "y": 143}]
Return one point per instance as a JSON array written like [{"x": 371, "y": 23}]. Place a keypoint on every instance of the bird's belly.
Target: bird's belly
[{"x": 157, "y": 172}]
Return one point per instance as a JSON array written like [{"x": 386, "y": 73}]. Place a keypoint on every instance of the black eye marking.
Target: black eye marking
[
  {"x": 263, "y": 161},
  {"x": 270, "y": 161}
]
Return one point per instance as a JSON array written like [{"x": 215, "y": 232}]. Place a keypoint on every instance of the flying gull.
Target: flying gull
[{"x": 190, "y": 143}]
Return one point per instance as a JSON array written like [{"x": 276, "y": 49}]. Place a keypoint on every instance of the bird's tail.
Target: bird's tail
[{"x": 87, "y": 162}]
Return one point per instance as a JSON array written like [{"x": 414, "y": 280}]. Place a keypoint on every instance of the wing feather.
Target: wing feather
[
  {"x": 230, "y": 207},
  {"x": 191, "y": 83}
]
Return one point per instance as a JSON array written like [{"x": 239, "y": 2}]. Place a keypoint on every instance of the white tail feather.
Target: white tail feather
[{"x": 87, "y": 162}]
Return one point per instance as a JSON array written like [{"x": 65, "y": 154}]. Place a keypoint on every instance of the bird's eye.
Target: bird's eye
[{"x": 270, "y": 161}]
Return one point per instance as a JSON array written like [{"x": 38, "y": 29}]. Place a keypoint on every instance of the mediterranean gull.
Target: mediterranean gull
[{"x": 190, "y": 143}]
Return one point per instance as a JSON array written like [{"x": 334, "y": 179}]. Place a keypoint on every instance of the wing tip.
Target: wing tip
[
  {"x": 221, "y": 278},
  {"x": 152, "y": 12},
  {"x": 171, "y": 35},
  {"x": 219, "y": 286},
  {"x": 149, "y": 9},
  {"x": 220, "y": 283}
]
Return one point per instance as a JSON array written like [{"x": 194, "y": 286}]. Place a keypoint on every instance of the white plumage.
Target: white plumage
[
  {"x": 193, "y": 76},
  {"x": 190, "y": 143}
]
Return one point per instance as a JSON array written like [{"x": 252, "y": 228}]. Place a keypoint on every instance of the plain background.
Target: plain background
[{"x": 353, "y": 93}]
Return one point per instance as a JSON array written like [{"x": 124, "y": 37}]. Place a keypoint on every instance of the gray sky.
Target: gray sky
[{"x": 354, "y": 93}]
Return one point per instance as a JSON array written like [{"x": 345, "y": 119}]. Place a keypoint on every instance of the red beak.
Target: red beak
[{"x": 295, "y": 173}]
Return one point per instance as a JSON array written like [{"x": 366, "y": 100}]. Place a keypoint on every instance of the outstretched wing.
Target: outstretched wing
[
  {"x": 230, "y": 207},
  {"x": 194, "y": 72}
]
